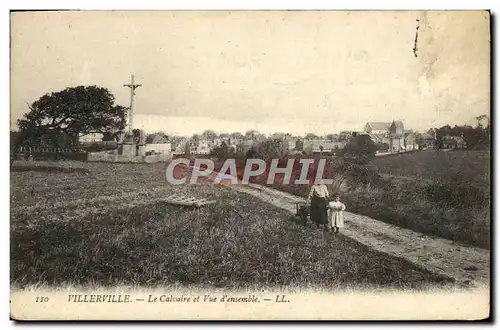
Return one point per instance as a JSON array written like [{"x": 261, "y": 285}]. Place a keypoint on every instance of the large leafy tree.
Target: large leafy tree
[
  {"x": 209, "y": 135},
  {"x": 251, "y": 134},
  {"x": 75, "y": 111},
  {"x": 311, "y": 136}
]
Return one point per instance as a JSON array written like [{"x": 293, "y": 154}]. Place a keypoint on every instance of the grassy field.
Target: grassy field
[
  {"x": 473, "y": 167},
  {"x": 104, "y": 224}
]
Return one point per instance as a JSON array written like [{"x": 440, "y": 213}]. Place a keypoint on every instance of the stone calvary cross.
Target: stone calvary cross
[{"x": 132, "y": 87}]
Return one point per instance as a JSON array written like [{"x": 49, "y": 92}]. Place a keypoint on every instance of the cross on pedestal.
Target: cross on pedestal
[{"x": 132, "y": 87}]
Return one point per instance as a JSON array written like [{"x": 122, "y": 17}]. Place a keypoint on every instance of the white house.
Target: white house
[{"x": 160, "y": 148}]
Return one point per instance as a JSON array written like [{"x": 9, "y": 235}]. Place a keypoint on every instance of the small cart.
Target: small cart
[{"x": 302, "y": 211}]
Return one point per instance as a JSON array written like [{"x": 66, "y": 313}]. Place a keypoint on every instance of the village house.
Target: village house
[
  {"x": 190, "y": 146},
  {"x": 180, "y": 146},
  {"x": 426, "y": 140},
  {"x": 290, "y": 143},
  {"x": 158, "y": 148},
  {"x": 410, "y": 140},
  {"x": 91, "y": 137},
  {"x": 218, "y": 141},
  {"x": 396, "y": 136},
  {"x": 344, "y": 136},
  {"x": 453, "y": 142},
  {"x": 324, "y": 147},
  {"x": 376, "y": 128},
  {"x": 223, "y": 137},
  {"x": 200, "y": 147}
]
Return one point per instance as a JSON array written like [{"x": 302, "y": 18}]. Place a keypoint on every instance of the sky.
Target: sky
[{"x": 274, "y": 71}]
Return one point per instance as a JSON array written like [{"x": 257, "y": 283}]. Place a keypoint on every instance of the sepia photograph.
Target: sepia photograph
[{"x": 250, "y": 165}]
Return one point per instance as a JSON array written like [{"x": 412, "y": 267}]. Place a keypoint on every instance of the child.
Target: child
[{"x": 336, "y": 214}]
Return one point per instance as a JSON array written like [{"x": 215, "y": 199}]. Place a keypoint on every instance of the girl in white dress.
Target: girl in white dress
[{"x": 336, "y": 214}]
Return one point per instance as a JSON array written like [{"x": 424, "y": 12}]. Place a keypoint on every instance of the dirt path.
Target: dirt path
[{"x": 467, "y": 265}]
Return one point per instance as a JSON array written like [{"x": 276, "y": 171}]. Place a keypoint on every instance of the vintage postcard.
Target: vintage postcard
[{"x": 250, "y": 165}]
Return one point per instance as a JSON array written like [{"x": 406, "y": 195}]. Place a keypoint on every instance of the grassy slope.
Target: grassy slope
[
  {"x": 471, "y": 166},
  {"x": 237, "y": 242}
]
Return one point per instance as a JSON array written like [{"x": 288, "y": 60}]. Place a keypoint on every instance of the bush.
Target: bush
[
  {"x": 100, "y": 146},
  {"x": 360, "y": 149},
  {"x": 361, "y": 174},
  {"x": 271, "y": 149},
  {"x": 382, "y": 146},
  {"x": 222, "y": 151}
]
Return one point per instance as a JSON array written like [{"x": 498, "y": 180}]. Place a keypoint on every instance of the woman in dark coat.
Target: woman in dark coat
[{"x": 318, "y": 199}]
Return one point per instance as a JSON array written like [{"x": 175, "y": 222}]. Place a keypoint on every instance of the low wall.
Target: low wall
[
  {"x": 385, "y": 154},
  {"x": 104, "y": 156}
]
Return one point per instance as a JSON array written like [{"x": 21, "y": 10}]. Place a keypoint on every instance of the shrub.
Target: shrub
[
  {"x": 100, "y": 146},
  {"x": 222, "y": 152},
  {"x": 360, "y": 149}
]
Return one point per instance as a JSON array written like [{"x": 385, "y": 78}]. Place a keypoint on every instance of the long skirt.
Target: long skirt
[{"x": 319, "y": 212}]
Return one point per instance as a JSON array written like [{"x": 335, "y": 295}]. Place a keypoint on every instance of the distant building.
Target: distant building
[
  {"x": 379, "y": 132},
  {"x": 92, "y": 137},
  {"x": 453, "y": 142},
  {"x": 222, "y": 138},
  {"x": 325, "y": 147},
  {"x": 156, "y": 138},
  {"x": 246, "y": 145},
  {"x": 393, "y": 134},
  {"x": 290, "y": 143},
  {"x": 159, "y": 148}
]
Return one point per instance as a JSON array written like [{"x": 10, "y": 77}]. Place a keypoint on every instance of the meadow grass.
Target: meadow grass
[
  {"x": 472, "y": 167},
  {"x": 239, "y": 242}
]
